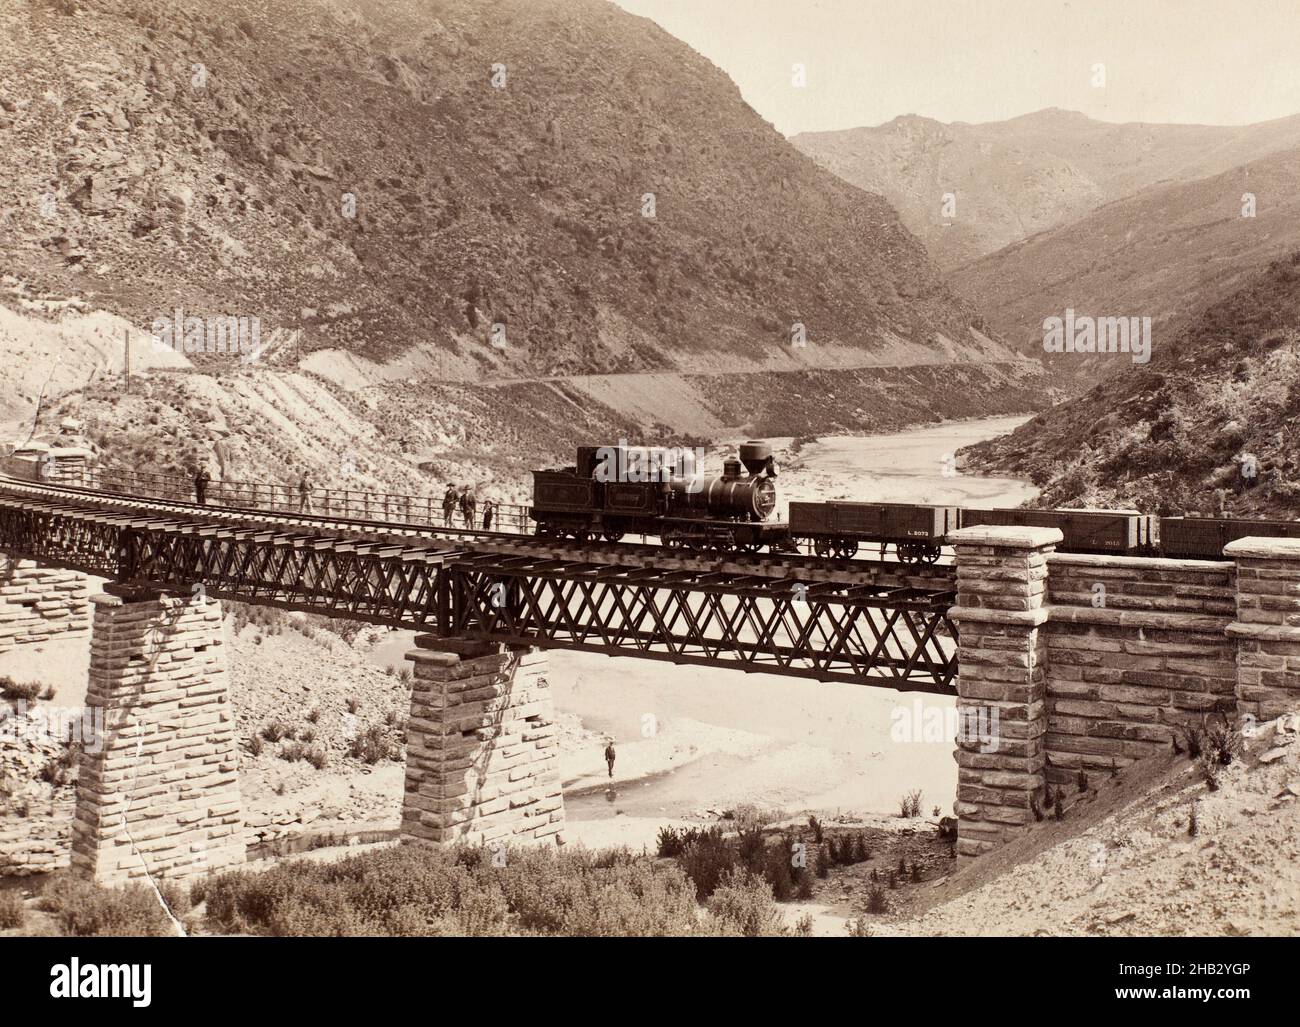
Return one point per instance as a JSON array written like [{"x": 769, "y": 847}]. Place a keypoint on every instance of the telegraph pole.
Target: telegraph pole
[{"x": 127, "y": 337}]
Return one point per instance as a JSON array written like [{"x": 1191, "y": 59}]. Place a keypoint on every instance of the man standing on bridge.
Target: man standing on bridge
[
  {"x": 448, "y": 506},
  {"x": 201, "y": 479},
  {"x": 488, "y": 510},
  {"x": 304, "y": 493},
  {"x": 610, "y": 756}
]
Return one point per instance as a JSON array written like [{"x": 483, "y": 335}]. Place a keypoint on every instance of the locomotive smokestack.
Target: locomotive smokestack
[{"x": 757, "y": 458}]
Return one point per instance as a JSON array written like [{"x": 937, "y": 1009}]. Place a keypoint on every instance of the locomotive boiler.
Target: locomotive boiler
[{"x": 612, "y": 491}]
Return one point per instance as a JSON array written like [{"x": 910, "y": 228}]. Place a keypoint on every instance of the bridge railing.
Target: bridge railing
[{"x": 354, "y": 504}]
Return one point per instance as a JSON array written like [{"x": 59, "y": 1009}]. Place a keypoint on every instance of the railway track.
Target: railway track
[{"x": 860, "y": 570}]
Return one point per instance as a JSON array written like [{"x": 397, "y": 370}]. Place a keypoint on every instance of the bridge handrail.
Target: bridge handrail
[{"x": 356, "y": 504}]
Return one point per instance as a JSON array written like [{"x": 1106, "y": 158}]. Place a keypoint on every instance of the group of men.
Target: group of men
[{"x": 463, "y": 499}]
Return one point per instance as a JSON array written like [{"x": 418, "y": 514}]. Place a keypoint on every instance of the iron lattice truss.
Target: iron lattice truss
[{"x": 898, "y": 637}]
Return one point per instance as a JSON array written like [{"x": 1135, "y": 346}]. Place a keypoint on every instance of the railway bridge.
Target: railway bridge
[{"x": 1069, "y": 682}]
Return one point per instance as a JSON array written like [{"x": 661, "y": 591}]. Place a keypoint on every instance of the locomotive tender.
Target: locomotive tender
[{"x": 613, "y": 491}]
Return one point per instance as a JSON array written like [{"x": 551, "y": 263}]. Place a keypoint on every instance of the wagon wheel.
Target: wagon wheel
[
  {"x": 672, "y": 540},
  {"x": 930, "y": 554},
  {"x": 613, "y": 536},
  {"x": 849, "y": 549},
  {"x": 906, "y": 551},
  {"x": 821, "y": 547}
]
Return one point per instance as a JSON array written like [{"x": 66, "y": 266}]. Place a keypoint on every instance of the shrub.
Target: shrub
[
  {"x": 372, "y": 745},
  {"x": 255, "y": 744},
  {"x": 707, "y": 860},
  {"x": 779, "y": 873},
  {"x": 877, "y": 902},
  {"x": 1221, "y": 744},
  {"x": 815, "y": 826},
  {"x": 313, "y": 715},
  {"x": 742, "y": 904},
  {"x": 671, "y": 841},
  {"x": 274, "y": 731},
  {"x": 86, "y": 910},
  {"x": 460, "y": 890},
  {"x": 12, "y": 911},
  {"x": 292, "y": 752},
  {"x": 318, "y": 757},
  {"x": 26, "y": 691},
  {"x": 909, "y": 805},
  {"x": 58, "y": 769},
  {"x": 858, "y": 927}
]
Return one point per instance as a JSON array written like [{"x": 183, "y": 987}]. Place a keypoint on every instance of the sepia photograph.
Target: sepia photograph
[{"x": 816, "y": 470}]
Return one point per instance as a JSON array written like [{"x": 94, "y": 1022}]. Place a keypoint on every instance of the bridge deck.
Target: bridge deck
[{"x": 868, "y": 623}]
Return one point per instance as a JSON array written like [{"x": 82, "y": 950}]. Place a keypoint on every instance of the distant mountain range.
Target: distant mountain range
[
  {"x": 1166, "y": 253},
  {"x": 1013, "y": 179}
]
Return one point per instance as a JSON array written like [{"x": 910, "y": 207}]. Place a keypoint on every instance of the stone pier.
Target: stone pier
[
  {"x": 482, "y": 756},
  {"x": 38, "y": 603},
  {"x": 1267, "y": 628},
  {"x": 1000, "y": 611},
  {"x": 159, "y": 794}
]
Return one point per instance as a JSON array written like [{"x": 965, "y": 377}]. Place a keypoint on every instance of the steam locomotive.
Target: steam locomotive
[{"x": 613, "y": 491}]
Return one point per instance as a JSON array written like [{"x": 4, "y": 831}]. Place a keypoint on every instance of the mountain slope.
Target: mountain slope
[
  {"x": 1213, "y": 421},
  {"x": 163, "y": 151},
  {"x": 1163, "y": 253},
  {"x": 1015, "y": 178}
]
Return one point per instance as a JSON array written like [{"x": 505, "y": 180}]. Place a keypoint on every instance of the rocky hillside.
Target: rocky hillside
[
  {"x": 1013, "y": 179},
  {"x": 1157, "y": 851},
  {"x": 1163, "y": 253},
  {"x": 397, "y": 176},
  {"x": 1213, "y": 422}
]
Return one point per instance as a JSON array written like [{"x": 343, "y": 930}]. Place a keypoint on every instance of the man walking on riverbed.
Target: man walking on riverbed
[{"x": 609, "y": 756}]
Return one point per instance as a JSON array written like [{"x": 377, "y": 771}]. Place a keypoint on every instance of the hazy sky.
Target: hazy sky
[{"x": 867, "y": 61}]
